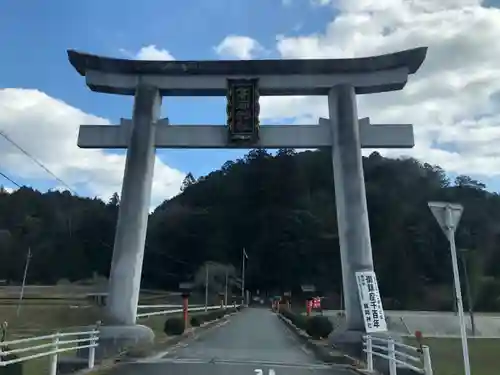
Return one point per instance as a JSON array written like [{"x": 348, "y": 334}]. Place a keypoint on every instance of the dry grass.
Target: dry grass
[
  {"x": 43, "y": 319},
  {"x": 47, "y": 309},
  {"x": 447, "y": 358}
]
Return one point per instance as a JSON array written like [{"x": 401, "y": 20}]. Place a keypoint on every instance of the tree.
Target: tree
[
  {"x": 281, "y": 208},
  {"x": 114, "y": 201},
  {"x": 188, "y": 181},
  {"x": 216, "y": 276},
  {"x": 466, "y": 181}
]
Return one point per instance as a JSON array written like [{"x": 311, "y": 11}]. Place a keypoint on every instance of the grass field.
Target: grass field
[
  {"x": 47, "y": 309},
  {"x": 447, "y": 359}
]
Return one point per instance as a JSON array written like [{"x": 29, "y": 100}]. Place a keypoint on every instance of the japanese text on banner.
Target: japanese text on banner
[{"x": 371, "y": 303}]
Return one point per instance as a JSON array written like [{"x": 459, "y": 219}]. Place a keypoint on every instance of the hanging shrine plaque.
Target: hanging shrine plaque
[{"x": 243, "y": 110}]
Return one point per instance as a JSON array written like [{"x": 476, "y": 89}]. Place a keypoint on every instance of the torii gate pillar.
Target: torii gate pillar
[
  {"x": 133, "y": 214},
  {"x": 350, "y": 198}
]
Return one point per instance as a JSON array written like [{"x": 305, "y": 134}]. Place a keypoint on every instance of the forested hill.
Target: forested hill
[{"x": 281, "y": 209}]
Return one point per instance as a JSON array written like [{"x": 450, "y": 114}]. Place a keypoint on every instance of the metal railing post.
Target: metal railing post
[
  {"x": 427, "y": 360},
  {"x": 91, "y": 359},
  {"x": 53, "y": 358},
  {"x": 93, "y": 341},
  {"x": 2, "y": 339},
  {"x": 369, "y": 353},
  {"x": 392, "y": 357}
]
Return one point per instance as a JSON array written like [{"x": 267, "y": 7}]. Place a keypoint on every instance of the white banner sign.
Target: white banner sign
[{"x": 371, "y": 304}]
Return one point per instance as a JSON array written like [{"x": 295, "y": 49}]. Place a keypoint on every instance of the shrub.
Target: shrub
[
  {"x": 298, "y": 320},
  {"x": 319, "y": 327},
  {"x": 195, "y": 321},
  {"x": 174, "y": 326},
  {"x": 211, "y": 315}
]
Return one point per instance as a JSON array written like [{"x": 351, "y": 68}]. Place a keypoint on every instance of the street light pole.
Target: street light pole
[
  {"x": 28, "y": 257},
  {"x": 243, "y": 277},
  {"x": 206, "y": 287},
  {"x": 225, "y": 293}
]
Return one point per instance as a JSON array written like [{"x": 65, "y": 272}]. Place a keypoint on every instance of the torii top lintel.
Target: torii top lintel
[{"x": 276, "y": 77}]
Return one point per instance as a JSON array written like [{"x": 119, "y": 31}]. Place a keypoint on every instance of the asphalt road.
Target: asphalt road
[{"x": 252, "y": 340}]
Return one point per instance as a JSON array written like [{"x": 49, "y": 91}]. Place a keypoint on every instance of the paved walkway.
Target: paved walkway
[{"x": 251, "y": 340}]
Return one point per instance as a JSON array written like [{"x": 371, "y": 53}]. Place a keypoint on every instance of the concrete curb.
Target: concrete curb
[
  {"x": 327, "y": 355},
  {"x": 192, "y": 332}
]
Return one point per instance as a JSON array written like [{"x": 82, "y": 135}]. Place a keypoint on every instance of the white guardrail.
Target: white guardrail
[
  {"x": 393, "y": 350},
  {"x": 58, "y": 343},
  {"x": 165, "y": 312}
]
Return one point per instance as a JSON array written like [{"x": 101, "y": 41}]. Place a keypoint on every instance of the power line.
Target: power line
[
  {"x": 10, "y": 179},
  {"x": 39, "y": 163}
]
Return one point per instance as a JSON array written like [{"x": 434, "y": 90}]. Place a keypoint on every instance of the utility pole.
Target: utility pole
[
  {"x": 28, "y": 257},
  {"x": 225, "y": 293},
  {"x": 206, "y": 287},
  {"x": 463, "y": 253},
  {"x": 243, "y": 258}
]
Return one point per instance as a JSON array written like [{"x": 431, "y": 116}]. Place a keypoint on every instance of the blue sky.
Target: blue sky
[
  {"x": 41, "y": 32},
  {"x": 36, "y": 35}
]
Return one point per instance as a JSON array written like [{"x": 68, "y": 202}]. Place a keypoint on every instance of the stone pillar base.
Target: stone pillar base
[{"x": 348, "y": 341}]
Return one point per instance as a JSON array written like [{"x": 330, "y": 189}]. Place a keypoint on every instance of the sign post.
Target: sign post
[{"x": 448, "y": 216}]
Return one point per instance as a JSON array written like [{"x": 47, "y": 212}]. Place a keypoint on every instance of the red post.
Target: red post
[
  {"x": 308, "y": 307},
  {"x": 419, "y": 336},
  {"x": 185, "y": 305}
]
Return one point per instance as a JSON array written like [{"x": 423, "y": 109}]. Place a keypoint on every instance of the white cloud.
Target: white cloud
[
  {"x": 150, "y": 52},
  {"x": 239, "y": 47},
  {"x": 321, "y": 2},
  {"x": 453, "y": 100},
  {"x": 26, "y": 113}
]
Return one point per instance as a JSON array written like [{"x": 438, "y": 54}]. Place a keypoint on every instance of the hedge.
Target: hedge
[
  {"x": 317, "y": 326},
  {"x": 174, "y": 326}
]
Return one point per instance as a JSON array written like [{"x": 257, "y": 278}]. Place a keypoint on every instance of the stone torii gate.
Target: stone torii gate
[{"x": 338, "y": 79}]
